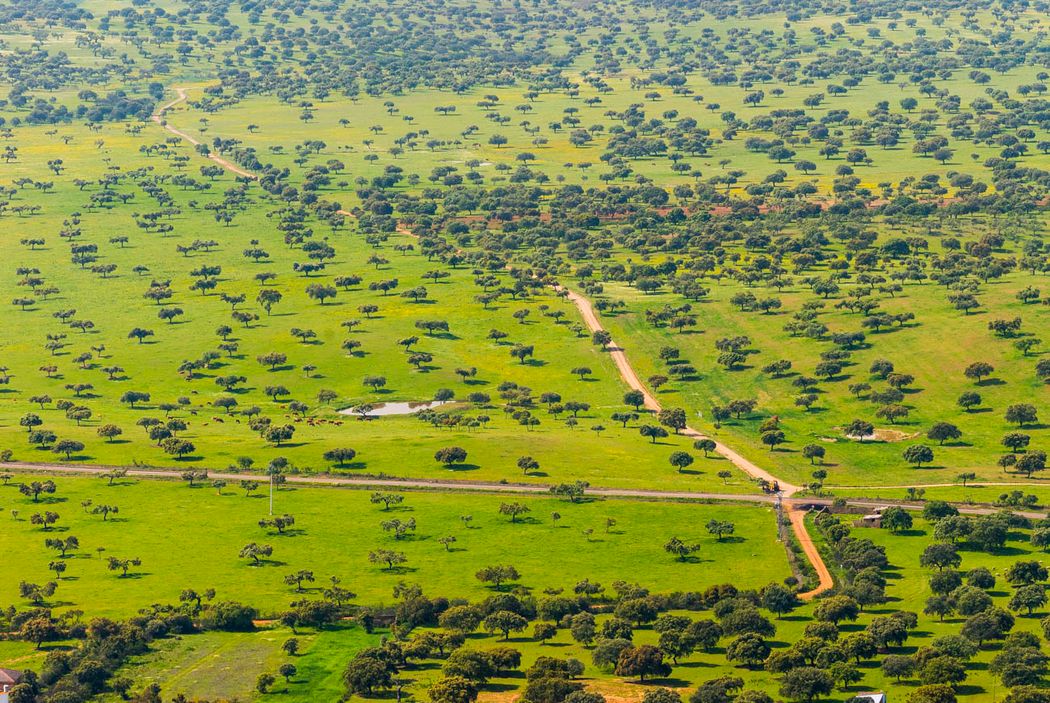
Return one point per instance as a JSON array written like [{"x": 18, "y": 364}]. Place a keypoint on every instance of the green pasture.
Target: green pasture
[
  {"x": 190, "y": 538},
  {"x": 907, "y": 590},
  {"x": 391, "y": 445},
  {"x": 935, "y": 347},
  {"x": 364, "y": 143}
]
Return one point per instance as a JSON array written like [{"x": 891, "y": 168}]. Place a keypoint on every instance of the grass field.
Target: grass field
[
  {"x": 368, "y": 151},
  {"x": 907, "y": 590},
  {"x": 114, "y": 305},
  {"x": 914, "y": 349},
  {"x": 226, "y": 665},
  {"x": 424, "y": 177},
  {"x": 190, "y": 538}
]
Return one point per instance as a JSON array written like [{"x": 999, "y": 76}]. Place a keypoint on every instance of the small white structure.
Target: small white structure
[
  {"x": 875, "y": 697},
  {"x": 873, "y": 519},
  {"x": 9, "y": 678}
]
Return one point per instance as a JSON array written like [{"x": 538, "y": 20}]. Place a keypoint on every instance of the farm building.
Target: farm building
[
  {"x": 872, "y": 519},
  {"x": 9, "y": 678}
]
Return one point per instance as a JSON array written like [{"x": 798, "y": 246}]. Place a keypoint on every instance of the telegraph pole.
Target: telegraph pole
[{"x": 780, "y": 516}]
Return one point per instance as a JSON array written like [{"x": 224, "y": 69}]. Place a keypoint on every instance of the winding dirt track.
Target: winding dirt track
[
  {"x": 158, "y": 117},
  {"x": 798, "y": 526},
  {"x": 630, "y": 377},
  {"x": 795, "y": 514}
]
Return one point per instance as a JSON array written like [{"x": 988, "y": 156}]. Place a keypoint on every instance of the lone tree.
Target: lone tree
[
  {"x": 634, "y": 398},
  {"x": 653, "y": 432},
  {"x": 340, "y": 456},
  {"x": 527, "y": 464},
  {"x": 706, "y": 446},
  {"x": 122, "y": 565},
  {"x": 918, "y": 454},
  {"x": 256, "y": 552},
  {"x": 720, "y": 528},
  {"x": 388, "y": 557},
  {"x": 387, "y": 499},
  {"x": 497, "y": 575},
  {"x": 68, "y": 447},
  {"x": 859, "y": 429},
  {"x": 514, "y": 510},
  {"x": 33, "y": 489},
  {"x": 978, "y": 370},
  {"x": 449, "y": 456},
  {"x": 680, "y": 460},
  {"x": 813, "y": 452},
  {"x": 296, "y": 579},
  {"x": 680, "y": 549},
  {"x": 1022, "y": 414},
  {"x": 943, "y": 431}
]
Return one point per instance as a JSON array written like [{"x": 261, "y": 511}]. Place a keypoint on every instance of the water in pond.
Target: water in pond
[{"x": 382, "y": 409}]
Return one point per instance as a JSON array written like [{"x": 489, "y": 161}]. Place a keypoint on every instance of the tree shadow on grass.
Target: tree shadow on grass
[
  {"x": 349, "y": 466},
  {"x": 969, "y": 689},
  {"x": 669, "y": 681},
  {"x": 910, "y": 533},
  {"x": 463, "y": 467},
  {"x": 294, "y": 532},
  {"x": 49, "y": 500},
  {"x": 696, "y": 665},
  {"x": 527, "y": 520}
]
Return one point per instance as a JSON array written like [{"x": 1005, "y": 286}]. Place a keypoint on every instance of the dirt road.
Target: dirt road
[
  {"x": 797, "y": 516},
  {"x": 627, "y": 373},
  {"x": 631, "y": 378},
  {"x": 798, "y": 526},
  {"x": 158, "y": 117},
  {"x": 403, "y": 483}
]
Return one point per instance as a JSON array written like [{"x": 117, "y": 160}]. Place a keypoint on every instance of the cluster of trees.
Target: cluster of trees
[{"x": 93, "y": 667}]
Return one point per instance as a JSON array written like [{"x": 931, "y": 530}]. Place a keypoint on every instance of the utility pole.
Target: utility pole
[{"x": 780, "y": 516}]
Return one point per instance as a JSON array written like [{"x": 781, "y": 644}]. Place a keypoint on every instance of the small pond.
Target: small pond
[{"x": 384, "y": 409}]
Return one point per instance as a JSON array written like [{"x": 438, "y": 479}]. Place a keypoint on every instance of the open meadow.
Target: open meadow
[{"x": 524, "y": 352}]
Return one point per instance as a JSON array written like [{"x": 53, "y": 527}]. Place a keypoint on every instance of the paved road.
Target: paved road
[
  {"x": 410, "y": 483},
  {"x": 976, "y": 484}
]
